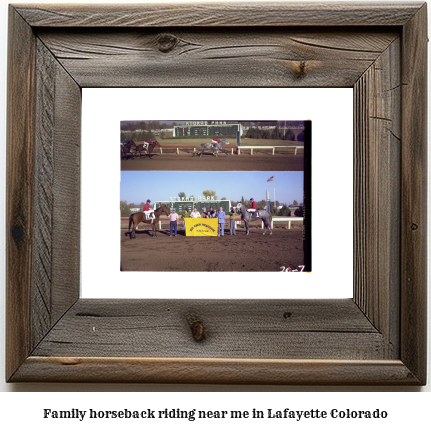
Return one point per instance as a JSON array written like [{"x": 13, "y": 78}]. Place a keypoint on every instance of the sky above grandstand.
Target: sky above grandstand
[{"x": 138, "y": 186}]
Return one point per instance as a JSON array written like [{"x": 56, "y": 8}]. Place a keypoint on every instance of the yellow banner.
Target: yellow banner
[{"x": 201, "y": 226}]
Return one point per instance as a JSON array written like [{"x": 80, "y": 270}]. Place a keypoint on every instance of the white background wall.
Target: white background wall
[{"x": 406, "y": 406}]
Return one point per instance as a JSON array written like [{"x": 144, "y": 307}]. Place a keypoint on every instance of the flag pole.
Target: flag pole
[
  {"x": 271, "y": 179},
  {"x": 268, "y": 202}
]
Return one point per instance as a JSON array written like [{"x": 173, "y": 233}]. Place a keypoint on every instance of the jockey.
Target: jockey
[
  {"x": 253, "y": 208},
  {"x": 147, "y": 211},
  {"x": 148, "y": 143}
]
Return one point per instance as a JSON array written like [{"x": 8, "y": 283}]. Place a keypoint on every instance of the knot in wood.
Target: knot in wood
[
  {"x": 197, "y": 327},
  {"x": 414, "y": 226},
  {"x": 18, "y": 233},
  {"x": 300, "y": 69},
  {"x": 167, "y": 42}
]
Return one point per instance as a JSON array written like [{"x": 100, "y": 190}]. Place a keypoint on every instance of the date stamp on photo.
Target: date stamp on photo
[{"x": 284, "y": 269}]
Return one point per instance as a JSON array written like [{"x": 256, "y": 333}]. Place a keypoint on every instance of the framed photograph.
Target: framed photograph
[
  {"x": 376, "y": 337},
  {"x": 199, "y": 194},
  {"x": 212, "y": 215}
]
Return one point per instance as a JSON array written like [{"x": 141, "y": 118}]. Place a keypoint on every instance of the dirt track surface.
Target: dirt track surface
[
  {"x": 188, "y": 162},
  {"x": 255, "y": 252}
]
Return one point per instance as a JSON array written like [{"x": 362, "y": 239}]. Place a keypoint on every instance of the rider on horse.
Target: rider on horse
[
  {"x": 253, "y": 208},
  {"x": 148, "y": 143},
  {"x": 148, "y": 212}
]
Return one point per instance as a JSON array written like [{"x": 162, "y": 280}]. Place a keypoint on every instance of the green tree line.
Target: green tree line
[
  {"x": 137, "y": 136},
  {"x": 276, "y": 133}
]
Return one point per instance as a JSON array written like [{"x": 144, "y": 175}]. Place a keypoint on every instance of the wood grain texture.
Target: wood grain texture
[
  {"x": 242, "y": 329},
  {"x": 55, "y": 279},
  {"x": 378, "y": 337},
  {"x": 413, "y": 194},
  {"x": 215, "y": 371},
  {"x": 43, "y": 194},
  {"x": 238, "y": 58},
  {"x": 19, "y": 195},
  {"x": 67, "y": 197},
  {"x": 215, "y": 14},
  {"x": 377, "y": 192},
  {"x": 43, "y": 191}
]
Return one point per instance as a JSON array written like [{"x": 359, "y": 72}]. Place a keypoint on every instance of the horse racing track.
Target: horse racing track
[
  {"x": 188, "y": 162},
  {"x": 255, "y": 252}
]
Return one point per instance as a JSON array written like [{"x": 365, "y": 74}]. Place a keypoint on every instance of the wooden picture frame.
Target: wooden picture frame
[{"x": 378, "y": 337}]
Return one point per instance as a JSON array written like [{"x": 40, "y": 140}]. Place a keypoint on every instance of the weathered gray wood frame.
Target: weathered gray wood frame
[{"x": 379, "y": 337}]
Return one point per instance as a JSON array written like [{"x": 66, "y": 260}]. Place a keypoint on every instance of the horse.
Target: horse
[
  {"x": 127, "y": 149},
  {"x": 147, "y": 146},
  {"x": 213, "y": 147},
  {"x": 139, "y": 217},
  {"x": 264, "y": 215},
  {"x": 141, "y": 147},
  {"x": 219, "y": 146}
]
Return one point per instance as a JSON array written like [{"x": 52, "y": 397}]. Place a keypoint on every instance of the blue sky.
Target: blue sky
[{"x": 138, "y": 186}]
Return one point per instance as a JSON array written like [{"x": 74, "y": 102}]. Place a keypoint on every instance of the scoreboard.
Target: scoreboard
[
  {"x": 190, "y": 205},
  {"x": 178, "y": 205},
  {"x": 214, "y": 204},
  {"x": 207, "y": 130},
  {"x": 225, "y": 130}
]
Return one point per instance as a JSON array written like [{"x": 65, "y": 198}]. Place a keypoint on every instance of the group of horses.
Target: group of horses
[
  {"x": 129, "y": 149},
  {"x": 139, "y": 217}
]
